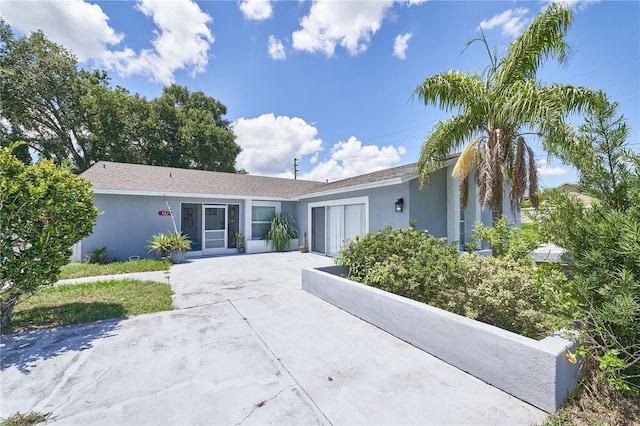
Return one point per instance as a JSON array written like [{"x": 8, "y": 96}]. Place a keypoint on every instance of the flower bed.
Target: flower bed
[{"x": 535, "y": 371}]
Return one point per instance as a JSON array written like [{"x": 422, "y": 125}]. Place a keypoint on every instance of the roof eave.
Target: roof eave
[{"x": 106, "y": 191}]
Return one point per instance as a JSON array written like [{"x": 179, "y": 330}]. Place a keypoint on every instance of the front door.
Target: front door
[{"x": 214, "y": 236}]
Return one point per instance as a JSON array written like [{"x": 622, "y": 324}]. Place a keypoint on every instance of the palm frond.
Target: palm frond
[
  {"x": 442, "y": 141},
  {"x": 543, "y": 39},
  {"x": 493, "y": 57},
  {"x": 469, "y": 158},
  {"x": 497, "y": 177},
  {"x": 451, "y": 90},
  {"x": 484, "y": 174}
]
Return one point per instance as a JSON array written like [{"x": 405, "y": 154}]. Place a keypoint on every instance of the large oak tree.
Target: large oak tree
[{"x": 69, "y": 114}]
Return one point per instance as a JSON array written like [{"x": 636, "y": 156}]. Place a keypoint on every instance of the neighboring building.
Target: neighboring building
[
  {"x": 135, "y": 200},
  {"x": 573, "y": 189}
]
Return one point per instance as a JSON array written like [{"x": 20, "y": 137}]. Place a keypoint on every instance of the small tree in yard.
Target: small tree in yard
[
  {"x": 44, "y": 210},
  {"x": 604, "y": 244}
]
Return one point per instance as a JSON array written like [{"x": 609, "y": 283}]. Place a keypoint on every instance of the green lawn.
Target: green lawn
[
  {"x": 79, "y": 303},
  {"x": 79, "y": 270}
]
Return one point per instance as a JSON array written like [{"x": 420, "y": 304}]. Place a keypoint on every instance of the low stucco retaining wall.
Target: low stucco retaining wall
[{"x": 535, "y": 371}]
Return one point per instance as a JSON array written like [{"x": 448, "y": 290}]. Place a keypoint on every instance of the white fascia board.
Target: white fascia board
[
  {"x": 370, "y": 185},
  {"x": 183, "y": 194}
]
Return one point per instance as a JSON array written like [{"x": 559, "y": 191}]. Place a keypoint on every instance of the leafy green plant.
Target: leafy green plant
[
  {"x": 98, "y": 255},
  {"x": 281, "y": 230},
  {"x": 603, "y": 241},
  {"x": 45, "y": 210},
  {"x": 506, "y": 240},
  {"x": 240, "y": 240},
  {"x": 166, "y": 243}
]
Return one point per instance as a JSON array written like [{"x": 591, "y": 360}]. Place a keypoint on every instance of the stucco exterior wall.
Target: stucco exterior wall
[
  {"x": 127, "y": 222},
  {"x": 381, "y": 206},
  {"x": 429, "y": 205}
]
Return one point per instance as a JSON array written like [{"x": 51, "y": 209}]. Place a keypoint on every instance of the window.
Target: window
[
  {"x": 463, "y": 234},
  {"x": 261, "y": 216}
]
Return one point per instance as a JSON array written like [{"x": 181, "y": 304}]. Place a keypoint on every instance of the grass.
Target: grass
[
  {"x": 78, "y": 303},
  {"x": 79, "y": 270},
  {"x": 27, "y": 419},
  {"x": 595, "y": 402}
]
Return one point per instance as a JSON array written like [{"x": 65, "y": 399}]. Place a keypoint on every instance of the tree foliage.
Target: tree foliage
[
  {"x": 505, "y": 239},
  {"x": 44, "y": 210},
  {"x": 68, "y": 114},
  {"x": 498, "y": 108},
  {"x": 603, "y": 241}
]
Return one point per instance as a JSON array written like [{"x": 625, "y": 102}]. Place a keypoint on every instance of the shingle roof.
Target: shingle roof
[
  {"x": 379, "y": 176},
  {"x": 106, "y": 175},
  {"x": 136, "y": 177}
]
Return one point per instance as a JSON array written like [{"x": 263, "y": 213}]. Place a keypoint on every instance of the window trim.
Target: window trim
[{"x": 262, "y": 204}]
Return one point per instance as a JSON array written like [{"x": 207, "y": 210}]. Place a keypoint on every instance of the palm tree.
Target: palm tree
[{"x": 498, "y": 108}]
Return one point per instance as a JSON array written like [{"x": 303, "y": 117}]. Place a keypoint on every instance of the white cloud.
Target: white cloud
[
  {"x": 400, "y": 45},
  {"x": 412, "y": 2},
  {"x": 276, "y": 49},
  {"x": 269, "y": 143},
  {"x": 351, "y": 158},
  {"x": 256, "y": 10},
  {"x": 182, "y": 42},
  {"x": 347, "y": 23},
  {"x": 575, "y": 4},
  {"x": 545, "y": 169},
  {"x": 511, "y": 21},
  {"x": 80, "y": 27}
]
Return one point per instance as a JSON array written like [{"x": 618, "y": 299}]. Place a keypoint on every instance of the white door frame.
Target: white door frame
[{"x": 216, "y": 250}]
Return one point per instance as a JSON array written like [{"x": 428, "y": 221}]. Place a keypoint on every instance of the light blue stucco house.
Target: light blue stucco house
[{"x": 136, "y": 201}]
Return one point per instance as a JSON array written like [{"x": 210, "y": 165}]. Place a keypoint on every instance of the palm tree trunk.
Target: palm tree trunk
[{"x": 496, "y": 215}]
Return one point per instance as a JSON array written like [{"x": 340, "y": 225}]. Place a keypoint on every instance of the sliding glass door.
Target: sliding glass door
[{"x": 334, "y": 225}]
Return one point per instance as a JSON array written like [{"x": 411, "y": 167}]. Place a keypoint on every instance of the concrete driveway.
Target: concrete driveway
[{"x": 245, "y": 346}]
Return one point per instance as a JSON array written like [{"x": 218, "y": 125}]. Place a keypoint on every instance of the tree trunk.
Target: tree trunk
[
  {"x": 496, "y": 214},
  {"x": 6, "y": 310}
]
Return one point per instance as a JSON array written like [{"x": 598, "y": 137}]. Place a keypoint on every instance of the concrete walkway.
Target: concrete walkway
[{"x": 246, "y": 346}]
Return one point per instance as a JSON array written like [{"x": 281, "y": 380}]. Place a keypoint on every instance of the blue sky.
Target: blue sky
[{"x": 330, "y": 82}]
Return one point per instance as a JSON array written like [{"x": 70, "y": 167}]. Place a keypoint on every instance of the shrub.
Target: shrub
[
  {"x": 98, "y": 255},
  {"x": 166, "y": 243},
  {"x": 604, "y": 245},
  {"x": 505, "y": 239},
  {"x": 511, "y": 294},
  {"x": 281, "y": 230},
  {"x": 44, "y": 210}
]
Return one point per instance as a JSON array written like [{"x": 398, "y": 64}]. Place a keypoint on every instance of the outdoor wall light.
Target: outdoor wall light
[{"x": 398, "y": 204}]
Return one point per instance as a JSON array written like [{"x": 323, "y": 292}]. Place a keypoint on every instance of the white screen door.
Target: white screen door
[{"x": 215, "y": 230}]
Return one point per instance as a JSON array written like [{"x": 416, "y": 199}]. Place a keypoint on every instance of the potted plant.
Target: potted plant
[
  {"x": 240, "y": 242},
  {"x": 304, "y": 248},
  {"x": 172, "y": 245},
  {"x": 281, "y": 231}
]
